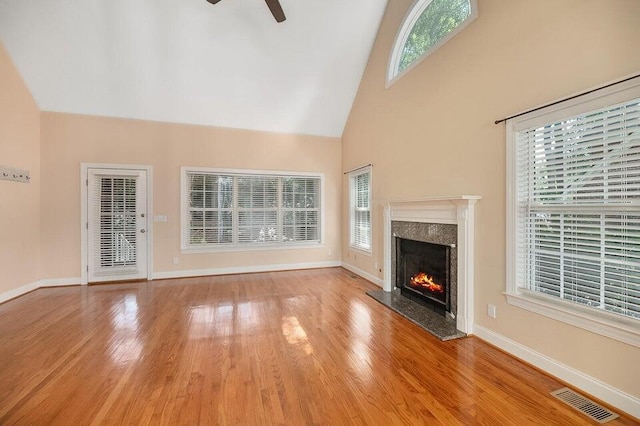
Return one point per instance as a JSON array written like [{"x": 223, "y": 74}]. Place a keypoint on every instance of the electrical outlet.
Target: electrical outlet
[
  {"x": 330, "y": 253},
  {"x": 176, "y": 260},
  {"x": 491, "y": 310}
]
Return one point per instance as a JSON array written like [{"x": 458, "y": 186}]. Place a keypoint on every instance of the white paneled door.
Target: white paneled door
[{"x": 116, "y": 224}]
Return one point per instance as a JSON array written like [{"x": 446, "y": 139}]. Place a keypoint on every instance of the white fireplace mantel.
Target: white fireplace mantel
[{"x": 455, "y": 210}]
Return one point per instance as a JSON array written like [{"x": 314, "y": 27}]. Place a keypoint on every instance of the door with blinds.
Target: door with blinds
[{"x": 116, "y": 224}]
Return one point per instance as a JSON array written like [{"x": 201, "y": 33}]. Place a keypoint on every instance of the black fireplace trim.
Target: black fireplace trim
[
  {"x": 439, "y": 306},
  {"x": 431, "y": 232}
]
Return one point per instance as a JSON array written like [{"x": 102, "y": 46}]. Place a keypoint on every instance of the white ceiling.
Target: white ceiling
[{"x": 188, "y": 61}]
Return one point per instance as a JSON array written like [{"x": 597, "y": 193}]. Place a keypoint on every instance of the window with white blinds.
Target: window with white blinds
[
  {"x": 360, "y": 206},
  {"x": 115, "y": 211},
  {"x": 576, "y": 207},
  {"x": 228, "y": 209}
]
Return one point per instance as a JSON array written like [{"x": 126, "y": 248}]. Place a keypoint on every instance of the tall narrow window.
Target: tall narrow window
[
  {"x": 575, "y": 207},
  {"x": 428, "y": 25},
  {"x": 360, "y": 194}
]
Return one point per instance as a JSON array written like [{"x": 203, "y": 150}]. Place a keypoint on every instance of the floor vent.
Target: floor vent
[{"x": 595, "y": 411}]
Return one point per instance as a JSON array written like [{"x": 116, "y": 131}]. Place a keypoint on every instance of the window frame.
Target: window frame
[
  {"x": 235, "y": 246},
  {"x": 615, "y": 326},
  {"x": 353, "y": 209},
  {"x": 410, "y": 20}
]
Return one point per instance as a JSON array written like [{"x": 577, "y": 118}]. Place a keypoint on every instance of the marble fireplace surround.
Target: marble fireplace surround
[{"x": 455, "y": 210}]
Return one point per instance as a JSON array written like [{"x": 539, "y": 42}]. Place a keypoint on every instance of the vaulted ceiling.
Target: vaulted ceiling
[{"x": 189, "y": 61}]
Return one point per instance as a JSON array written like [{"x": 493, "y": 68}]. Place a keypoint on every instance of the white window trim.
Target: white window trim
[
  {"x": 184, "y": 210},
  {"x": 607, "y": 324},
  {"x": 405, "y": 29},
  {"x": 352, "y": 246}
]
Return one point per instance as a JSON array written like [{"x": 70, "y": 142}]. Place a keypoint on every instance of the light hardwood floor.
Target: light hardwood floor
[{"x": 293, "y": 348}]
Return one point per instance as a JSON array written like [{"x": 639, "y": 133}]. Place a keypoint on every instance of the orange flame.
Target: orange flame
[{"x": 425, "y": 281}]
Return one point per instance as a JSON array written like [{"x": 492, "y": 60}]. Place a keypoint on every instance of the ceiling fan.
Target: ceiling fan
[{"x": 274, "y": 7}]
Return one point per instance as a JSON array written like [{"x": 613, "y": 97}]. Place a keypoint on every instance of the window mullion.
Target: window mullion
[
  {"x": 280, "y": 212},
  {"x": 235, "y": 216},
  {"x": 607, "y": 159},
  {"x": 529, "y": 231},
  {"x": 603, "y": 247},
  {"x": 562, "y": 257},
  {"x": 352, "y": 210}
]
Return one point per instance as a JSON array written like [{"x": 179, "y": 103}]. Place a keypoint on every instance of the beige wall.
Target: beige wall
[
  {"x": 432, "y": 134},
  {"x": 19, "y": 202},
  {"x": 69, "y": 140}
]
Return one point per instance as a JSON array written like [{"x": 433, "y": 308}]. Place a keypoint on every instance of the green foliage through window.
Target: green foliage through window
[{"x": 437, "y": 20}]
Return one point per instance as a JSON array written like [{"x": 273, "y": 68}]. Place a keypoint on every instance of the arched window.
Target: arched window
[{"x": 428, "y": 25}]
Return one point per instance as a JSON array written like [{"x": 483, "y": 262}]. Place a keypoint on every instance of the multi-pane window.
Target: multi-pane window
[
  {"x": 576, "y": 207},
  {"x": 428, "y": 25},
  {"x": 223, "y": 208},
  {"x": 257, "y": 209},
  {"x": 300, "y": 209},
  {"x": 360, "y": 206},
  {"x": 210, "y": 214}
]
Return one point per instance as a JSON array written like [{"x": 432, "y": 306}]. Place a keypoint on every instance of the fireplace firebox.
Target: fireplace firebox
[{"x": 424, "y": 273}]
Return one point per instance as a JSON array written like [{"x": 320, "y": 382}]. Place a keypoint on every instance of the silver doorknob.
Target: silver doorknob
[{"x": 143, "y": 230}]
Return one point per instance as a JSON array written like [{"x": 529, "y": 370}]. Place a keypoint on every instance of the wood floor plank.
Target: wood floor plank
[{"x": 281, "y": 348}]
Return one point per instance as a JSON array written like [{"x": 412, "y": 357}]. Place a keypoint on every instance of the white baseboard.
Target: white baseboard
[
  {"x": 60, "y": 282},
  {"x": 367, "y": 276},
  {"x": 617, "y": 398},
  {"x": 13, "y": 293},
  {"x": 243, "y": 270},
  {"x": 19, "y": 291}
]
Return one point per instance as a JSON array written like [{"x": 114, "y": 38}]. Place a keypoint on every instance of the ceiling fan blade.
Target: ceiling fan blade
[
  {"x": 213, "y": 1},
  {"x": 276, "y": 10}
]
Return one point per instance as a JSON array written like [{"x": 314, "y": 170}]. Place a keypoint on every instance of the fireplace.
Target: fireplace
[
  {"x": 439, "y": 220},
  {"x": 424, "y": 273}
]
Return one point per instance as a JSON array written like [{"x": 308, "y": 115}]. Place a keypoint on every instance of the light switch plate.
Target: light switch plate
[{"x": 491, "y": 310}]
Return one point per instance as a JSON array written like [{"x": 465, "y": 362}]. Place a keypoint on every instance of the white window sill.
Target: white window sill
[
  {"x": 607, "y": 324},
  {"x": 251, "y": 247}
]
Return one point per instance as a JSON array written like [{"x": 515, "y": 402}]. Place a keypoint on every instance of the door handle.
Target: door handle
[{"x": 143, "y": 230}]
